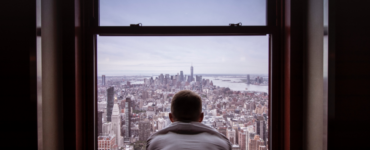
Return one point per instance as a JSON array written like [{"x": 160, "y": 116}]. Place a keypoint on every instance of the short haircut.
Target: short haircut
[{"x": 186, "y": 106}]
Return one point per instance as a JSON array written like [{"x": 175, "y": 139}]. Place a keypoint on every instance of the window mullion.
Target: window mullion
[{"x": 182, "y": 30}]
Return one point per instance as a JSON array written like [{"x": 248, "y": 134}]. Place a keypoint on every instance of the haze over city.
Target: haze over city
[{"x": 154, "y": 55}]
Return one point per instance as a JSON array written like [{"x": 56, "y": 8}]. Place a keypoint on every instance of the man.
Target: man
[{"x": 186, "y": 130}]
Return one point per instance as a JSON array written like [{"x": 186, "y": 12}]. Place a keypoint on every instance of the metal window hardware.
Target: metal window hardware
[
  {"x": 136, "y": 25},
  {"x": 235, "y": 24}
]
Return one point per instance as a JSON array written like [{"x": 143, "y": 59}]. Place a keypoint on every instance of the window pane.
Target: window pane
[
  {"x": 182, "y": 12},
  {"x": 138, "y": 76}
]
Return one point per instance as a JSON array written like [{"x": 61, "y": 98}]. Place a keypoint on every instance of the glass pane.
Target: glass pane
[
  {"x": 182, "y": 12},
  {"x": 138, "y": 76}
]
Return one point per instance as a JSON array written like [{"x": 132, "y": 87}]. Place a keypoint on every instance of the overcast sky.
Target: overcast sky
[{"x": 155, "y": 55}]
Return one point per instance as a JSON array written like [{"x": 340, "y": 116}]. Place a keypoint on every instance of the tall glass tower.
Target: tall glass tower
[
  {"x": 127, "y": 120},
  {"x": 181, "y": 76},
  {"x": 110, "y": 103},
  {"x": 191, "y": 73}
]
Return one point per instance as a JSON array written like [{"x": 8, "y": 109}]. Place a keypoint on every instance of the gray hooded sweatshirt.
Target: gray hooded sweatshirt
[{"x": 192, "y": 135}]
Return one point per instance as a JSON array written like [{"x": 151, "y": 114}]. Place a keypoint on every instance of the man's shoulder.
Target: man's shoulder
[
  {"x": 182, "y": 133},
  {"x": 173, "y": 140}
]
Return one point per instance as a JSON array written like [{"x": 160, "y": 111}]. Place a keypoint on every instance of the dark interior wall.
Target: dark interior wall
[
  {"x": 18, "y": 74},
  {"x": 70, "y": 40},
  {"x": 349, "y": 74}
]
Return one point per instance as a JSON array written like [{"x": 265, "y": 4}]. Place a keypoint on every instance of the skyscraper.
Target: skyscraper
[
  {"x": 181, "y": 76},
  {"x": 151, "y": 81},
  {"x": 166, "y": 78},
  {"x": 177, "y": 77},
  {"x": 110, "y": 103},
  {"x": 103, "y": 80},
  {"x": 242, "y": 135},
  {"x": 191, "y": 73},
  {"x": 127, "y": 120},
  {"x": 144, "y": 130},
  {"x": 198, "y": 78},
  {"x": 248, "y": 79},
  {"x": 261, "y": 127},
  {"x": 161, "y": 78},
  {"x": 230, "y": 134},
  {"x": 116, "y": 124},
  {"x": 100, "y": 122}
]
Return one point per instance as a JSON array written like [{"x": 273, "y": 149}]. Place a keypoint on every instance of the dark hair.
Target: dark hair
[{"x": 186, "y": 106}]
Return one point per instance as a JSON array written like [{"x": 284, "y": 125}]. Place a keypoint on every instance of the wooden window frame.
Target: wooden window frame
[{"x": 280, "y": 67}]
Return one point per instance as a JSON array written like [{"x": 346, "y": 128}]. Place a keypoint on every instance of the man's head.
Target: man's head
[{"x": 186, "y": 106}]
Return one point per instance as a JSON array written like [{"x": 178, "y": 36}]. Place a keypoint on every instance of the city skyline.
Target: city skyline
[
  {"x": 241, "y": 115},
  {"x": 191, "y": 73}
]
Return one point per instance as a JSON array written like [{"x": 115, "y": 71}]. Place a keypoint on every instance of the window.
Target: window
[
  {"x": 138, "y": 76},
  {"x": 154, "y": 65}
]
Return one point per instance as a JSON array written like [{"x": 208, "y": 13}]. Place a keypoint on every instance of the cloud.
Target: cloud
[
  {"x": 235, "y": 55},
  {"x": 242, "y": 58},
  {"x": 190, "y": 12}
]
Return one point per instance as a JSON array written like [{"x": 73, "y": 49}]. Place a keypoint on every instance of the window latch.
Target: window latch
[
  {"x": 136, "y": 25},
  {"x": 235, "y": 24}
]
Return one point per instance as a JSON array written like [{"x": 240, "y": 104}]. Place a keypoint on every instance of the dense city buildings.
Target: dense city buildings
[{"x": 131, "y": 108}]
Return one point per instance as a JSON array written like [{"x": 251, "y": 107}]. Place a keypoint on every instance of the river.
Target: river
[{"x": 236, "y": 86}]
